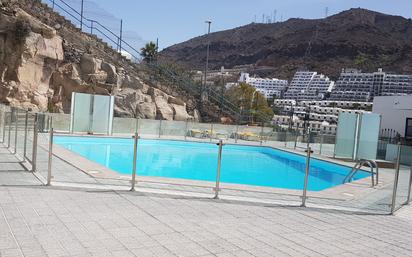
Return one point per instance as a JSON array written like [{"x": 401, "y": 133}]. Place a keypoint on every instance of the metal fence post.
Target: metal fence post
[
  {"x": 305, "y": 185},
  {"x": 160, "y": 128},
  {"x": 15, "y": 131},
  {"x": 186, "y": 127},
  {"x": 2, "y": 122},
  {"x": 395, "y": 182},
  {"x": 49, "y": 164},
  {"x": 211, "y": 132},
  {"x": 219, "y": 163},
  {"x": 10, "y": 121},
  {"x": 409, "y": 186},
  {"x": 261, "y": 134},
  {"x": 296, "y": 139},
  {"x": 321, "y": 144},
  {"x": 136, "y": 138},
  {"x": 237, "y": 133},
  {"x": 137, "y": 126},
  {"x": 35, "y": 134},
  {"x": 81, "y": 15},
  {"x": 4, "y": 126},
  {"x": 26, "y": 120}
]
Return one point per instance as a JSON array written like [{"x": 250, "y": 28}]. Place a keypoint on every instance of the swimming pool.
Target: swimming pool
[{"x": 249, "y": 165}]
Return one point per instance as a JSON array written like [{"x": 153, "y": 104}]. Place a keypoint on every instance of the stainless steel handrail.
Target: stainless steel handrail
[{"x": 358, "y": 166}]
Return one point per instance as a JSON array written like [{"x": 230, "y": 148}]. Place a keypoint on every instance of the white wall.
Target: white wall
[{"x": 394, "y": 110}]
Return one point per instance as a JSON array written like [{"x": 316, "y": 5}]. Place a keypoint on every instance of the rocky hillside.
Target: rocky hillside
[
  {"x": 355, "y": 38},
  {"x": 44, "y": 58}
]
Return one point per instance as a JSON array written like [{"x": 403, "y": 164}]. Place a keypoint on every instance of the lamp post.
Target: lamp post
[{"x": 207, "y": 59}]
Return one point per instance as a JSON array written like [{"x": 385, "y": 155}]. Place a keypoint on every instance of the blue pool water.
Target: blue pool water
[{"x": 258, "y": 166}]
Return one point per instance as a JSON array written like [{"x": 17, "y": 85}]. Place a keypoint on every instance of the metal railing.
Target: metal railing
[
  {"x": 214, "y": 96},
  {"x": 185, "y": 83},
  {"x": 93, "y": 26}
]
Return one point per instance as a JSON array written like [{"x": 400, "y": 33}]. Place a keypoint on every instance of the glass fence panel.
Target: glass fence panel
[
  {"x": 7, "y": 129},
  {"x": 224, "y": 132},
  {"x": 21, "y": 133},
  {"x": 262, "y": 173},
  {"x": 353, "y": 194},
  {"x": 124, "y": 125},
  {"x": 89, "y": 159},
  {"x": 327, "y": 147},
  {"x": 275, "y": 138},
  {"x": 2, "y": 122},
  {"x": 30, "y": 136},
  {"x": 316, "y": 143},
  {"x": 177, "y": 165},
  {"x": 61, "y": 122},
  {"x": 13, "y": 129},
  {"x": 302, "y": 140},
  {"x": 174, "y": 129},
  {"x": 291, "y": 139},
  {"x": 345, "y": 143},
  {"x": 249, "y": 134},
  {"x": 368, "y": 136},
  {"x": 149, "y": 128},
  {"x": 199, "y": 131},
  {"x": 404, "y": 179}
]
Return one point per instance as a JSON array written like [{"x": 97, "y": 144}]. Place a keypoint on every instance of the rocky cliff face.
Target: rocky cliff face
[
  {"x": 356, "y": 38},
  {"x": 40, "y": 69}
]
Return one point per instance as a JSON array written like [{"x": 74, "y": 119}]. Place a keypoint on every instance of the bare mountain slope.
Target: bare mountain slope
[{"x": 355, "y": 38}]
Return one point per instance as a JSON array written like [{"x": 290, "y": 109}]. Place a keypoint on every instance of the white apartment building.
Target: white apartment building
[
  {"x": 397, "y": 85},
  {"x": 354, "y": 85},
  {"x": 268, "y": 87},
  {"x": 341, "y": 104},
  {"x": 315, "y": 126},
  {"x": 323, "y": 114},
  {"x": 308, "y": 85}
]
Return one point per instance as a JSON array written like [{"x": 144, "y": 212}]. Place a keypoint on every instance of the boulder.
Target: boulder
[
  {"x": 176, "y": 101},
  {"x": 164, "y": 110},
  {"x": 180, "y": 112},
  {"x": 111, "y": 72},
  {"x": 35, "y": 25},
  {"x": 135, "y": 102},
  {"x": 89, "y": 64},
  {"x": 38, "y": 46},
  {"x": 96, "y": 78},
  {"x": 146, "y": 110}
]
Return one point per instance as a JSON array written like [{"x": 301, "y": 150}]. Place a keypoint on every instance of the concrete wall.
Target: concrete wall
[{"x": 394, "y": 111}]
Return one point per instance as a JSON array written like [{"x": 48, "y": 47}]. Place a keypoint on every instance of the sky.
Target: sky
[{"x": 175, "y": 21}]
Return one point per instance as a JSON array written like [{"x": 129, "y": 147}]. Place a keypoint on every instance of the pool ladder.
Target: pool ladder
[{"x": 374, "y": 170}]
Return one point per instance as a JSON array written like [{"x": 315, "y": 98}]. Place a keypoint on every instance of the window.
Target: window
[{"x": 408, "y": 133}]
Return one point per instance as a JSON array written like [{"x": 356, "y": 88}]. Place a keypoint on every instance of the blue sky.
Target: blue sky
[{"x": 174, "y": 21}]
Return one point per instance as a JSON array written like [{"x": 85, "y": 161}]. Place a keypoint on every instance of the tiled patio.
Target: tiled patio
[{"x": 36, "y": 220}]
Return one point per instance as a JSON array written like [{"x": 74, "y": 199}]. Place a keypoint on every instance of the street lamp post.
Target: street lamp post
[{"x": 207, "y": 58}]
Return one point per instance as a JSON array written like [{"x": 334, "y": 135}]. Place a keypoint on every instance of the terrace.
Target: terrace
[{"x": 56, "y": 202}]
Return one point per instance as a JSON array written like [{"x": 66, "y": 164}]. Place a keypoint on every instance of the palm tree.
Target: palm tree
[{"x": 149, "y": 51}]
